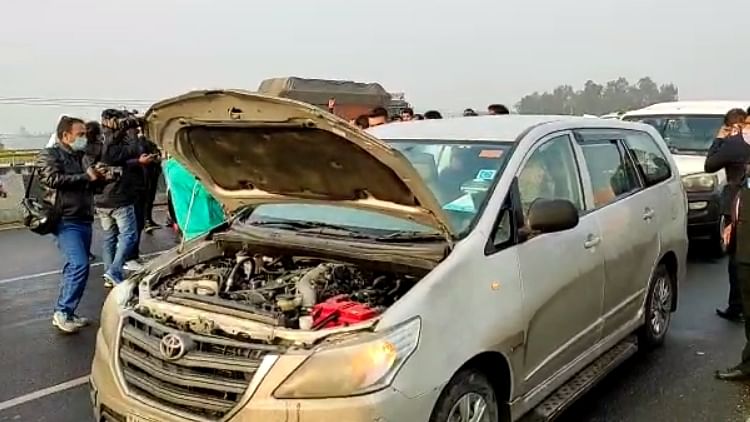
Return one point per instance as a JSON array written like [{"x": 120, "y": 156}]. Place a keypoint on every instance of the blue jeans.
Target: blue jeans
[
  {"x": 120, "y": 237},
  {"x": 74, "y": 241}
]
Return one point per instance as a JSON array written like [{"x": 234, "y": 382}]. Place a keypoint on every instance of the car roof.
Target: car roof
[
  {"x": 505, "y": 128},
  {"x": 690, "y": 107}
]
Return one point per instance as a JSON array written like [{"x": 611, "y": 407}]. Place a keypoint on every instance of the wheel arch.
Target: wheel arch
[
  {"x": 669, "y": 260},
  {"x": 497, "y": 369}
]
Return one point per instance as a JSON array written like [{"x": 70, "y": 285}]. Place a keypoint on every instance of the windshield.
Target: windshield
[
  {"x": 459, "y": 174},
  {"x": 684, "y": 133}
]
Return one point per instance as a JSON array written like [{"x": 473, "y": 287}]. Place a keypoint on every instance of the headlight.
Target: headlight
[
  {"x": 355, "y": 367},
  {"x": 700, "y": 182}
]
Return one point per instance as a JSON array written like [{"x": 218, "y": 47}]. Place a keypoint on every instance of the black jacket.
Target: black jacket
[
  {"x": 142, "y": 178},
  {"x": 123, "y": 152},
  {"x": 153, "y": 170},
  {"x": 731, "y": 154},
  {"x": 66, "y": 186}
]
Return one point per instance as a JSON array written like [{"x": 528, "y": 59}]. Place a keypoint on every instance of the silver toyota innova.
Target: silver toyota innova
[{"x": 475, "y": 269}]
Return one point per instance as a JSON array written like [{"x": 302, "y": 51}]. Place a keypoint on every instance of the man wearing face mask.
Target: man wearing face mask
[{"x": 68, "y": 188}]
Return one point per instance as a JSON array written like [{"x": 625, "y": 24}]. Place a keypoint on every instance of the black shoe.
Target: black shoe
[
  {"x": 150, "y": 227},
  {"x": 732, "y": 374},
  {"x": 730, "y": 315}
]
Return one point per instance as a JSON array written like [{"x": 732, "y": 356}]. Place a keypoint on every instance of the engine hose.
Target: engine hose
[
  {"x": 395, "y": 289},
  {"x": 305, "y": 285},
  {"x": 233, "y": 273}
]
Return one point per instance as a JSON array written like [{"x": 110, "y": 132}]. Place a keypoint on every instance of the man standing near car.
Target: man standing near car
[
  {"x": 730, "y": 153},
  {"x": 68, "y": 189},
  {"x": 740, "y": 229},
  {"x": 144, "y": 191},
  {"x": 115, "y": 205},
  {"x": 153, "y": 175},
  {"x": 378, "y": 116},
  {"x": 407, "y": 114}
]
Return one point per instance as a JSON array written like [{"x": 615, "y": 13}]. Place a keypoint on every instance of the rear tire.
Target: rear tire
[
  {"x": 468, "y": 397},
  {"x": 659, "y": 305}
]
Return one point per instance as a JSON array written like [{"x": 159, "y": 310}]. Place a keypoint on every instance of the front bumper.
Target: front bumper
[
  {"x": 704, "y": 214},
  {"x": 111, "y": 402}
]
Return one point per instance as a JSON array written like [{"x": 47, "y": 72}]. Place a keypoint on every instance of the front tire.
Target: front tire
[
  {"x": 659, "y": 305},
  {"x": 468, "y": 397}
]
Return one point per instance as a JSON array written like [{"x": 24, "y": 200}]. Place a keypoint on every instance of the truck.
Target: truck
[{"x": 346, "y": 99}]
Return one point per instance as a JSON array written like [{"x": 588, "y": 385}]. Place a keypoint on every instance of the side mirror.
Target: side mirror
[{"x": 552, "y": 215}]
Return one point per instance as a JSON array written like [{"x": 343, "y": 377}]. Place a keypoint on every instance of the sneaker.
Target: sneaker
[
  {"x": 79, "y": 321},
  {"x": 133, "y": 265},
  {"x": 109, "y": 281},
  {"x": 64, "y": 324}
]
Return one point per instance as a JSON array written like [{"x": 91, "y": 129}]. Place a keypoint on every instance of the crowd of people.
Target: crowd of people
[{"x": 379, "y": 115}]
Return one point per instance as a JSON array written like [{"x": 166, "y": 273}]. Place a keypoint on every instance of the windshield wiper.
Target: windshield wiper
[
  {"x": 311, "y": 227},
  {"x": 410, "y": 236}
]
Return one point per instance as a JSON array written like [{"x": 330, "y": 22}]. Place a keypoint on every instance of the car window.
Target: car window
[
  {"x": 612, "y": 173},
  {"x": 551, "y": 172},
  {"x": 684, "y": 133},
  {"x": 649, "y": 157}
]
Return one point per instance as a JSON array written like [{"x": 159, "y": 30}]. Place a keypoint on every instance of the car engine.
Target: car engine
[{"x": 294, "y": 292}]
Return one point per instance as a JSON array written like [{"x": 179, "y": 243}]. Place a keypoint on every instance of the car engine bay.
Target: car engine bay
[{"x": 289, "y": 291}]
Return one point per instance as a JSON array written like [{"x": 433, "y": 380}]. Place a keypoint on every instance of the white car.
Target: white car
[{"x": 689, "y": 128}]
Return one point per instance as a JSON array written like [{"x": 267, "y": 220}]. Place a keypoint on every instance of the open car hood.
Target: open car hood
[{"x": 251, "y": 149}]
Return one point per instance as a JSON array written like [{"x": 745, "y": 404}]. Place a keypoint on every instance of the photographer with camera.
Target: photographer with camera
[
  {"x": 68, "y": 191},
  {"x": 120, "y": 160}
]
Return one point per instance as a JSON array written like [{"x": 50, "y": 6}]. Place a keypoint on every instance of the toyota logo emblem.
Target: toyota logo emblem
[{"x": 172, "y": 347}]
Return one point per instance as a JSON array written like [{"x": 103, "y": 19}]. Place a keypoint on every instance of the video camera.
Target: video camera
[
  {"x": 108, "y": 172},
  {"x": 123, "y": 119}
]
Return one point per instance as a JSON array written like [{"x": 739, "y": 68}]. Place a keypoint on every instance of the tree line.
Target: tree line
[{"x": 617, "y": 95}]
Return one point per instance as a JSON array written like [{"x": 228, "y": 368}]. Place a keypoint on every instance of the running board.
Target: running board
[{"x": 554, "y": 405}]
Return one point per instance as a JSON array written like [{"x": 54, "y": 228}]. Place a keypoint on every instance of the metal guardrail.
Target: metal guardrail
[{"x": 17, "y": 157}]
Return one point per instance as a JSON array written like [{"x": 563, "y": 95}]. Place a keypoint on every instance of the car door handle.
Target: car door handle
[
  {"x": 648, "y": 214},
  {"x": 591, "y": 241}
]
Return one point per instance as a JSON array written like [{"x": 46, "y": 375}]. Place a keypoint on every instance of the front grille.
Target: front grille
[{"x": 207, "y": 382}]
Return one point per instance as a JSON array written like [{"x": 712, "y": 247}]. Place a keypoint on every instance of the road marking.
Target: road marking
[
  {"x": 35, "y": 395},
  {"x": 48, "y": 273}
]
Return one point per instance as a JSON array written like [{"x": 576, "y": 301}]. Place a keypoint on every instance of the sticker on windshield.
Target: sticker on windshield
[
  {"x": 462, "y": 204},
  {"x": 485, "y": 175},
  {"x": 490, "y": 153}
]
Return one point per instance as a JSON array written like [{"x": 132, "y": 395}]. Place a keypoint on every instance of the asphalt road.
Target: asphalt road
[{"x": 674, "y": 383}]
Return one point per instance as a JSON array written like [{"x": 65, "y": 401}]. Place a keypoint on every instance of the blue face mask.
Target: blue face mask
[{"x": 79, "y": 144}]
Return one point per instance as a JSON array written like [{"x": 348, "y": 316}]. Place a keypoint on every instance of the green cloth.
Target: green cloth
[{"x": 206, "y": 212}]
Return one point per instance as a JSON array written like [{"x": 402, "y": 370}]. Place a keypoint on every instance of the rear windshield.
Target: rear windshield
[{"x": 684, "y": 133}]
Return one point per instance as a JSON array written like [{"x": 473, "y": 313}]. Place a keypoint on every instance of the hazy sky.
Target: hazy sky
[{"x": 444, "y": 54}]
